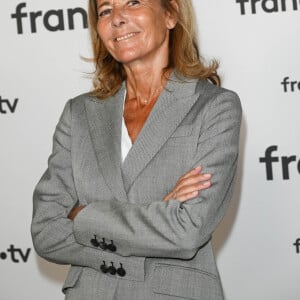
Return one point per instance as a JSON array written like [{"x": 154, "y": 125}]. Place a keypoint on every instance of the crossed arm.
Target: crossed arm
[
  {"x": 164, "y": 228},
  {"x": 187, "y": 187}
]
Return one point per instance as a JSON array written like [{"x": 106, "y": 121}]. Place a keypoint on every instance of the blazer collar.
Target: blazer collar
[
  {"x": 176, "y": 100},
  {"x": 105, "y": 121}
]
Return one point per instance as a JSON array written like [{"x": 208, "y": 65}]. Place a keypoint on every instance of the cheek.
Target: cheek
[{"x": 103, "y": 32}]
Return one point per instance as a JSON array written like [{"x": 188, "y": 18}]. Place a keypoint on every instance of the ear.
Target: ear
[{"x": 172, "y": 16}]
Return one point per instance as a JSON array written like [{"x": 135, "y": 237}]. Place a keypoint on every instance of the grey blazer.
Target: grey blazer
[{"x": 127, "y": 243}]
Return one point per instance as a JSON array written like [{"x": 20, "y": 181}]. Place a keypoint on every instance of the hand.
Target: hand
[
  {"x": 189, "y": 185},
  {"x": 75, "y": 210}
]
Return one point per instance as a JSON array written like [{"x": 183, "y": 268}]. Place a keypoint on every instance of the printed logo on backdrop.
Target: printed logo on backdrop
[
  {"x": 52, "y": 20},
  {"x": 297, "y": 246},
  {"x": 287, "y": 164},
  {"x": 289, "y": 85},
  {"x": 267, "y": 6},
  {"x": 8, "y": 106},
  {"x": 15, "y": 255}
]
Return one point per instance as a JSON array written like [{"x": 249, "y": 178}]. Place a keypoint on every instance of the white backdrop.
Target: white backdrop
[{"x": 258, "y": 45}]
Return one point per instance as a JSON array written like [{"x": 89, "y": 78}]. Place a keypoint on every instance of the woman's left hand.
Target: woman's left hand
[
  {"x": 75, "y": 210},
  {"x": 189, "y": 185}
]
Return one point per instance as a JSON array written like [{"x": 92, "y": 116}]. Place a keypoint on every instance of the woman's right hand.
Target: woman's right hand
[{"x": 189, "y": 185}]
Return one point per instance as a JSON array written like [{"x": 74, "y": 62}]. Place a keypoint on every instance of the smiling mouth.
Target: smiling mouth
[{"x": 125, "y": 37}]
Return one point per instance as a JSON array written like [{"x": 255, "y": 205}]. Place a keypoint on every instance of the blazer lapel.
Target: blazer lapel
[
  {"x": 105, "y": 119},
  {"x": 172, "y": 106}
]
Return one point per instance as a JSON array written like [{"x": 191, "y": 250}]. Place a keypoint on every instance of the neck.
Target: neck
[{"x": 144, "y": 86}]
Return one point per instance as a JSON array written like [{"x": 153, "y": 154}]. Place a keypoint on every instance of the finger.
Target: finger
[
  {"x": 187, "y": 196},
  {"x": 193, "y": 188},
  {"x": 189, "y": 189},
  {"x": 192, "y": 180},
  {"x": 192, "y": 172},
  {"x": 168, "y": 197}
]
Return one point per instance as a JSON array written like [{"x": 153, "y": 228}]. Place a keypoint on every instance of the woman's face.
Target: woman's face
[{"x": 134, "y": 31}]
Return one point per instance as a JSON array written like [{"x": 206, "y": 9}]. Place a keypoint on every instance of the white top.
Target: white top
[{"x": 126, "y": 143}]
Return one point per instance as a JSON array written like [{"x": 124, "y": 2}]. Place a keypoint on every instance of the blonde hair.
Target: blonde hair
[{"x": 184, "y": 54}]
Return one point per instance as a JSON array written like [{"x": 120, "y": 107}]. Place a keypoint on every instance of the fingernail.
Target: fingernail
[
  {"x": 198, "y": 169},
  {"x": 206, "y": 183},
  {"x": 207, "y": 175},
  {"x": 195, "y": 193}
]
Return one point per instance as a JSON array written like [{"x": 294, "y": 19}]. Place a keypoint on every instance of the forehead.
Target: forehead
[{"x": 111, "y": 2}]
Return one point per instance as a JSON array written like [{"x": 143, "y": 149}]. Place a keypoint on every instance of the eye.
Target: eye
[
  {"x": 133, "y": 2},
  {"x": 104, "y": 12}
]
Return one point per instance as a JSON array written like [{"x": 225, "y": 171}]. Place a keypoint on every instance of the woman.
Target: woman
[{"x": 124, "y": 200}]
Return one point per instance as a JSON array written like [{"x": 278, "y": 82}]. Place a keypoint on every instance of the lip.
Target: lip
[{"x": 125, "y": 37}]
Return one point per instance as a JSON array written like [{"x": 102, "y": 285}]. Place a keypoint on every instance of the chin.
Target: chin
[{"x": 126, "y": 58}]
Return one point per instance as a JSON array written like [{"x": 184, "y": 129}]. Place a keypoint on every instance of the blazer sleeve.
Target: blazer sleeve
[
  {"x": 53, "y": 198},
  {"x": 174, "y": 229}
]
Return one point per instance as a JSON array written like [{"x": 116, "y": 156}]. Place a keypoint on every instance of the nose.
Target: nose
[{"x": 118, "y": 17}]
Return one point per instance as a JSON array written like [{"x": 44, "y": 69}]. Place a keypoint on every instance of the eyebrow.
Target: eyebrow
[{"x": 102, "y": 4}]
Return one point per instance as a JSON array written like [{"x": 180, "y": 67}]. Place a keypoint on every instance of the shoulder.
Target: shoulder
[
  {"x": 211, "y": 92},
  {"x": 213, "y": 102},
  {"x": 217, "y": 99},
  {"x": 78, "y": 102},
  {"x": 76, "y": 106},
  {"x": 206, "y": 92}
]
